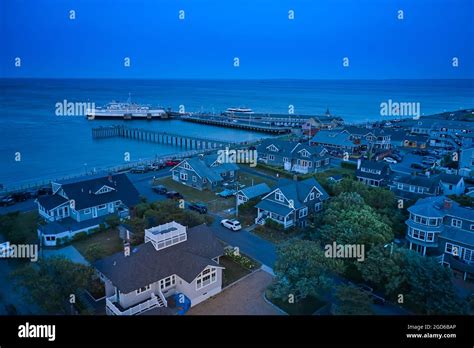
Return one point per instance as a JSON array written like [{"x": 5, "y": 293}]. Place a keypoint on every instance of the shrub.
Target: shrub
[
  {"x": 112, "y": 221},
  {"x": 79, "y": 236}
]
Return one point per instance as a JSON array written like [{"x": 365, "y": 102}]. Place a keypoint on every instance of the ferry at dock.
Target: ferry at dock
[
  {"x": 238, "y": 112},
  {"x": 126, "y": 111}
]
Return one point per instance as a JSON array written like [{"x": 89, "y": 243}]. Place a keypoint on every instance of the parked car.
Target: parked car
[
  {"x": 44, "y": 191},
  {"x": 172, "y": 162},
  {"x": 390, "y": 160},
  {"x": 174, "y": 195},
  {"x": 428, "y": 160},
  {"x": 397, "y": 157},
  {"x": 199, "y": 207},
  {"x": 419, "y": 166},
  {"x": 7, "y": 201},
  {"x": 139, "y": 170},
  {"x": 21, "y": 196},
  {"x": 226, "y": 193},
  {"x": 233, "y": 225},
  {"x": 160, "y": 189},
  {"x": 153, "y": 167}
]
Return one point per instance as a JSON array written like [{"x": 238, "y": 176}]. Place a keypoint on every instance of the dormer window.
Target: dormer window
[
  {"x": 186, "y": 166},
  {"x": 311, "y": 196},
  {"x": 279, "y": 197},
  {"x": 272, "y": 148},
  {"x": 103, "y": 189}
]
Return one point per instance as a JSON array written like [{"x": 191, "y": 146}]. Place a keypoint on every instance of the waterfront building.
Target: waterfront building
[
  {"x": 174, "y": 264},
  {"x": 291, "y": 202},
  {"x": 293, "y": 156},
  {"x": 83, "y": 205},
  {"x": 335, "y": 141},
  {"x": 204, "y": 172},
  {"x": 440, "y": 227}
]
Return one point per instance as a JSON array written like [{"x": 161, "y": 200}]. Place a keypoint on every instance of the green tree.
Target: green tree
[
  {"x": 425, "y": 286},
  {"x": 348, "y": 220},
  {"x": 94, "y": 252},
  {"x": 352, "y": 301},
  {"x": 302, "y": 270},
  {"x": 50, "y": 282}
]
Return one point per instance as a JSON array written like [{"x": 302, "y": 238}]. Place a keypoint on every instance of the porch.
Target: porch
[{"x": 156, "y": 300}]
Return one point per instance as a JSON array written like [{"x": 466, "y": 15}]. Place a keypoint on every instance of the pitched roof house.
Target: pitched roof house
[
  {"x": 204, "y": 172},
  {"x": 440, "y": 227},
  {"x": 291, "y": 202},
  {"x": 251, "y": 192},
  {"x": 293, "y": 156},
  {"x": 174, "y": 260},
  {"x": 83, "y": 205},
  {"x": 372, "y": 173},
  {"x": 335, "y": 140}
]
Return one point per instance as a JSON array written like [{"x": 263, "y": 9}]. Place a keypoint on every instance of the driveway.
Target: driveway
[{"x": 243, "y": 298}]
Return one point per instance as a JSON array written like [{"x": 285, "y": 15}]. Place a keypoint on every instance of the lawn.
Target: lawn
[
  {"x": 249, "y": 179},
  {"x": 232, "y": 272},
  {"x": 109, "y": 242},
  {"x": 306, "y": 306}
]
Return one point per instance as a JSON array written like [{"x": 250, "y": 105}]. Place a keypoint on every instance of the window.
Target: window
[
  {"x": 223, "y": 174},
  {"x": 194, "y": 178},
  {"x": 430, "y": 237},
  {"x": 318, "y": 206},
  {"x": 167, "y": 282},
  {"x": 231, "y": 174},
  {"x": 285, "y": 159},
  {"x": 456, "y": 223},
  {"x": 271, "y": 157},
  {"x": 186, "y": 166},
  {"x": 433, "y": 222},
  {"x": 400, "y": 186},
  {"x": 183, "y": 176},
  {"x": 204, "y": 180},
  {"x": 420, "y": 189},
  {"x": 472, "y": 227},
  {"x": 207, "y": 277},
  {"x": 311, "y": 196},
  {"x": 145, "y": 288},
  {"x": 87, "y": 211},
  {"x": 279, "y": 197},
  {"x": 412, "y": 188},
  {"x": 50, "y": 238},
  {"x": 303, "y": 212},
  {"x": 102, "y": 206}
]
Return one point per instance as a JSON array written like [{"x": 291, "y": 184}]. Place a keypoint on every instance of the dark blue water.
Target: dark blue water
[{"x": 53, "y": 146}]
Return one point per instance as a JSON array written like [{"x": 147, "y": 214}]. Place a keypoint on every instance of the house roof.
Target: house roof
[
  {"x": 274, "y": 207},
  {"x": 337, "y": 138},
  {"x": 417, "y": 180},
  {"x": 83, "y": 192},
  {"x": 434, "y": 207},
  {"x": 256, "y": 190},
  {"x": 146, "y": 265},
  {"x": 457, "y": 234},
  {"x": 202, "y": 166},
  {"x": 374, "y": 165},
  {"x": 451, "y": 179},
  {"x": 51, "y": 202}
]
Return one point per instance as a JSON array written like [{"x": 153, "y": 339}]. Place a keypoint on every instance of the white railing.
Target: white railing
[
  {"x": 139, "y": 308},
  {"x": 162, "y": 297}
]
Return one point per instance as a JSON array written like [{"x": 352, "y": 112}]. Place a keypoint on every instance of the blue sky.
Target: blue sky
[{"x": 258, "y": 32}]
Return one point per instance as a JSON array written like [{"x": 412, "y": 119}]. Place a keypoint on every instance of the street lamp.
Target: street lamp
[{"x": 391, "y": 247}]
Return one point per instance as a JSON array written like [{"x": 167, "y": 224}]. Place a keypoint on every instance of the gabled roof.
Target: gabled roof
[
  {"x": 255, "y": 191},
  {"x": 451, "y": 179},
  {"x": 146, "y": 265},
  {"x": 202, "y": 166},
  {"x": 434, "y": 207},
  {"x": 51, "y": 202},
  {"x": 297, "y": 191},
  {"x": 333, "y": 138},
  {"x": 84, "y": 192},
  {"x": 374, "y": 165},
  {"x": 417, "y": 180}
]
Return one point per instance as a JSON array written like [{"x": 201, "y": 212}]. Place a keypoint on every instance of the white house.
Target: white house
[{"x": 173, "y": 260}]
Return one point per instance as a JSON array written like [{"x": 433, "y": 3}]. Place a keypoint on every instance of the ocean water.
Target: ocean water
[{"x": 53, "y": 146}]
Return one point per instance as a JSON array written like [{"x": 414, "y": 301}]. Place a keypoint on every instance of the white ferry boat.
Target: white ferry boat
[
  {"x": 239, "y": 112},
  {"x": 126, "y": 111}
]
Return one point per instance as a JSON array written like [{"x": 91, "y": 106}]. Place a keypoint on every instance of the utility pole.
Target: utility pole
[{"x": 236, "y": 198}]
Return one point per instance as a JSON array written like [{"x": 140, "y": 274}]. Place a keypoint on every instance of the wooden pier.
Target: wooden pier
[
  {"x": 182, "y": 141},
  {"x": 256, "y": 127}
]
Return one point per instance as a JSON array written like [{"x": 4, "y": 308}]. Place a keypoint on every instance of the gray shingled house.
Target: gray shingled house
[{"x": 173, "y": 260}]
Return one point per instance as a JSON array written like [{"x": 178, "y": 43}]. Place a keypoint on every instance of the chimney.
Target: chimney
[
  {"x": 359, "y": 163},
  {"x": 110, "y": 178},
  {"x": 447, "y": 204}
]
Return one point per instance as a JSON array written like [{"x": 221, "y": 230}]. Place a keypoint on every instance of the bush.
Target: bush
[
  {"x": 112, "y": 221},
  {"x": 348, "y": 165},
  {"x": 79, "y": 236},
  {"x": 94, "y": 252},
  {"x": 240, "y": 259}
]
